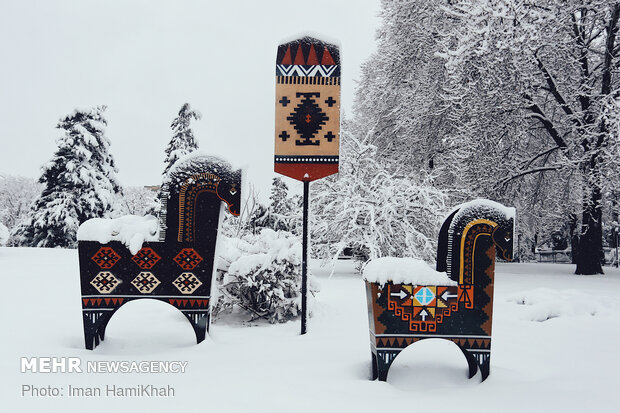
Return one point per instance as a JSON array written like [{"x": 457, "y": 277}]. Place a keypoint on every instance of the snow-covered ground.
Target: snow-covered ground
[{"x": 555, "y": 348}]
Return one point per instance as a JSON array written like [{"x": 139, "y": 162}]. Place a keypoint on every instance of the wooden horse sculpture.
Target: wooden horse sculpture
[
  {"x": 178, "y": 268},
  {"x": 402, "y": 314}
]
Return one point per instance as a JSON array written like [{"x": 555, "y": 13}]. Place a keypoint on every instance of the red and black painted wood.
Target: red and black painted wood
[
  {"x": 403, "y": 314},
  {"x": 177, "y": 269}
]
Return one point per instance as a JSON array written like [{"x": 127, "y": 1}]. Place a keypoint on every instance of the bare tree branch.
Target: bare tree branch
[
  {"x": 524, "y": 173},
  {"x": 548, "y": 125}
]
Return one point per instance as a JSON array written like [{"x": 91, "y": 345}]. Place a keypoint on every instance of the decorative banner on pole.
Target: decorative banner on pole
[
  {"x": 307, "y": 123},
  {"x": 307, "y": 135}
]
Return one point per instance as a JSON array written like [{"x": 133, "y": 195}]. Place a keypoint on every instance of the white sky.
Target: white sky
[{"x": 144, "y": 59}]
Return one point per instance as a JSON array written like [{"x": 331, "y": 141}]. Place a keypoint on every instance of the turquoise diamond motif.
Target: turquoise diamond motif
[{"x": 425, "y": 296}]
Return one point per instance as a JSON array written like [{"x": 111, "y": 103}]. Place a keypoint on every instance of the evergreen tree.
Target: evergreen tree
[
  {"x": 282, "y": 214},
  {"x": 183, "y": 141},
  {"x": 79, "y": 183}
]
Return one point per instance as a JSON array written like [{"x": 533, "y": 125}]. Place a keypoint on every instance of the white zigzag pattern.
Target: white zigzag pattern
[{"x": 323, "y": 70}]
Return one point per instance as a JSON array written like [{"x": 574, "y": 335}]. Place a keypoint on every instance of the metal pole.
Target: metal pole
[{"x": 304, "y": 259}]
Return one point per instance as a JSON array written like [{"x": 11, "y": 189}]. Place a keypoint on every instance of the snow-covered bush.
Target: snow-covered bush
[
  {"x": 4, "y": 235},
  {"x": 138, "y": 200},
  {"x": 374, "y": 211},
  {"x": 261, "y": 275},
  {"x": 16, "y": 195}
]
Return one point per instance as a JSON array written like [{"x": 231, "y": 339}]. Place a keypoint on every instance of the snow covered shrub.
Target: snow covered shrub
[
  {"x": 138, "y": 200},
  {"x": 373, "y": 211},
  {"x": 260, "y": 274},
  {"x": 4, "y": 235}
]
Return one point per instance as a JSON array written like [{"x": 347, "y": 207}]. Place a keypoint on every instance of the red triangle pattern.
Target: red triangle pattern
[
  {"x": 312, "y": 58},
  {"x": 192, "y": 303},
  {"x": 327, "y": 58},
  {"x": 299, "y": 57},
  {"x": 287, "y": 59},
  {"x": 98, "y": 301}
]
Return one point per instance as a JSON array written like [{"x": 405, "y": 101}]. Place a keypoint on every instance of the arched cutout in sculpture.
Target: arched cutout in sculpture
[
  {"x": 461, "y": 310},
  {"x": 432, "y": 357},
  {"x": 178, "y": 268},
  {"x": 159, "y": 321}
]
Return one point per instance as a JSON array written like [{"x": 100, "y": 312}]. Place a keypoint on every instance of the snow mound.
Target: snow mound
[
  {"x": 544, "y": 304},
  {"x": 131, "y": 230},
  {"x": 404, "y": 271}
]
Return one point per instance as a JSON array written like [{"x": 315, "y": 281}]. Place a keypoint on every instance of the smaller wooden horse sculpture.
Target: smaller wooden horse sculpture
[
  {"x": 178, "y": 268},
  {"x": 402, "y": 314}
]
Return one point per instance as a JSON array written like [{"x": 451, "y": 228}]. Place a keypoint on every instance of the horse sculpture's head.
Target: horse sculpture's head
[
  {"x": 191, "y": 195},
  {"x": 503, "y": 238},
  {"x": 492, "y": 218},
  {"x": 229, "y": 191}
]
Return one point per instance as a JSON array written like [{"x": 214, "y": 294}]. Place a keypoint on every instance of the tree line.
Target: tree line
[
  {"x": 80, "y": 182},
  {"x": 513, "y": 100}
]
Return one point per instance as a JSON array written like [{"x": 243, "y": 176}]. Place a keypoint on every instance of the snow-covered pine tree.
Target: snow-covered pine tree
[
  {"x": 183, "y": 141},
  {"x": 282, "y": 214},
  {"x": 79, "y": 183}
]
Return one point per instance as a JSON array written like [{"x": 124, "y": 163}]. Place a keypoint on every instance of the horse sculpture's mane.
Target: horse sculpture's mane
[{"x": 443, "y": 247}]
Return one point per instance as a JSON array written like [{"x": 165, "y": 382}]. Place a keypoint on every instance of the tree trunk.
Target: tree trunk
[
  {"x": 590, "y": 252},
  {"x": 574, "y": 237}
]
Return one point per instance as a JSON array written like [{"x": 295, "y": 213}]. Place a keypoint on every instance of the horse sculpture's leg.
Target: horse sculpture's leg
[
  {"x": 471, "y": 362},
  {"x": 384, "y": 361},
  {"x": 104, "y": 324},
  {"x": 92, "y": 327},
  {"x": 485, "y": 364},
  {"x": 200, "y": 322},
  {"x": 374, "y": 369},
  {"x": 478, "y": 359}
]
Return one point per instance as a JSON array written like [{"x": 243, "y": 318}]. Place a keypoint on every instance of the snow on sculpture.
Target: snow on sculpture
[
  {"x": 171, "y": 260},
  {"x": 408, "y": 301}
]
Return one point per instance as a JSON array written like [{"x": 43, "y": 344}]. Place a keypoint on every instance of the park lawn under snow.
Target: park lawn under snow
[{"x": 555, "y": 348}]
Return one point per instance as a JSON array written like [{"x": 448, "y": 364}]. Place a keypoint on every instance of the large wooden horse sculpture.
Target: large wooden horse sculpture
[
  {"x": 402, "y": 314},
  {"x": 178, "y": 268}
]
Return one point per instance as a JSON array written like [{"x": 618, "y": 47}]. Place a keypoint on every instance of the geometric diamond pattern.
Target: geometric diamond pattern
[
  {"x": 187, "y": 283},
  {"x": 106, "y": 257},
  {"x": 424, "y": 296},
  {"x": 307, "y": 118},
  {"x": 145, "y": 282},
  {"x": 188, "y": 259},
  {"x": 146, "y": 258},
  {"x": 422, "y": 306},
  {"x": 105, "y": 282}
]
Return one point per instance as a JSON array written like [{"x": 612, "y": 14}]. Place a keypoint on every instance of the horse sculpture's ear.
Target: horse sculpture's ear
[
  {"x": 442, "y": 243},
  {"x": 503, "y": 240},
  {"x": 234, "y": 207}
]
